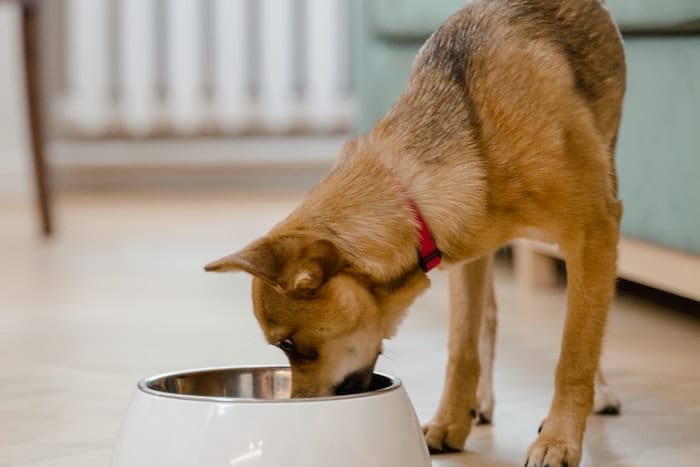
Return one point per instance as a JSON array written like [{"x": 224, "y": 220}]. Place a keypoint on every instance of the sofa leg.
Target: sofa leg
[{"x": 533, "y": 267}]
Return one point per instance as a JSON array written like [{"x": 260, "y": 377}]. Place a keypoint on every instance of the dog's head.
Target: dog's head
[{"x": 329, "y": 320}]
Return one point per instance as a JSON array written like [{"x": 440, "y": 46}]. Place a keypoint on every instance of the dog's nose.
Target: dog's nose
[{"x": 355, "y": 382}]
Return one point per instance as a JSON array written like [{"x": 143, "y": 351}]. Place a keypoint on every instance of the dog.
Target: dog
[{"x": 507, "y": 128}]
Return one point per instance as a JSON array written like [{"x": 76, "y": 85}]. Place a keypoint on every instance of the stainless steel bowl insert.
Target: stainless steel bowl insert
[{"x": 243, "y": 384}]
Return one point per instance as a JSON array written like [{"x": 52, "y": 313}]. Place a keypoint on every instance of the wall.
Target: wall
[{"x": 15, "y": 177}]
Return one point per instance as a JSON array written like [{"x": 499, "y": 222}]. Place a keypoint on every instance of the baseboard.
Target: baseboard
[
  {"x": 197, "y": 152},
  {"x": 278, "y": 164}
]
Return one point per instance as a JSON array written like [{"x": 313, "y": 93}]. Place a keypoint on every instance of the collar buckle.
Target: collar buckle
[{"x": 429, "y": 261}]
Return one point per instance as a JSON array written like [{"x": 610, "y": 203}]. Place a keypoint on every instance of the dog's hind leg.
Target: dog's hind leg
[
  {"x": 487, "y": 348},
  {"x": 468, "y": 285},
  {"x": 590, "y": 251},
  {"x": 606, "y": 403}
]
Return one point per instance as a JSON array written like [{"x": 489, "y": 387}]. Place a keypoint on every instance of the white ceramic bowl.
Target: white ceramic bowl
[{"x": 244, "y": 417}]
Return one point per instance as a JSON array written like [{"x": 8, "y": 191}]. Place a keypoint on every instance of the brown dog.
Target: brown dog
[{"x": 507, "y": 129}]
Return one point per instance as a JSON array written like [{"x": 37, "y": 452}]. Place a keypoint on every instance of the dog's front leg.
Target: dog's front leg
[
  {"x": 590, "y": 263},
  {"x": 468, "y": 285}
]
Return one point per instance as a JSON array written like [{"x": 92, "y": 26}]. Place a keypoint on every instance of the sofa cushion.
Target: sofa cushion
[
  {"x": 416, "y": 19},
  {"x": 656, "y": 15},
  {"x": 408, "y": 19},
  {"x": 657, "y": 156}
]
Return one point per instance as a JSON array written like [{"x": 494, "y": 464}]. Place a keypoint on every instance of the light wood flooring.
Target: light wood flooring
[{"x": 119, "y": 294}]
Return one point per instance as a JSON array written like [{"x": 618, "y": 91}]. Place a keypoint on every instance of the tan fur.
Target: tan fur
[{"x": 507, "y": 128}]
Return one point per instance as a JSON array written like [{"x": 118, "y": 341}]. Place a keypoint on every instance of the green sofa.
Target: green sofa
[{"x": 659, "y": 147}]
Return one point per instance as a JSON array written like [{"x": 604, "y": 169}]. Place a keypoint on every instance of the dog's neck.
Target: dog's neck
[{"x": 366, "y": 213}]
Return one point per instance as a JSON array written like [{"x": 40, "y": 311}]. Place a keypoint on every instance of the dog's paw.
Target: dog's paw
[
  {"x": 606, "y": 402},
  {"x": 484, "y": 418},
  {"x": 444, "y": 435},
  {"x": 553, "y": 452},
  {"x": 485, "y": 414}
]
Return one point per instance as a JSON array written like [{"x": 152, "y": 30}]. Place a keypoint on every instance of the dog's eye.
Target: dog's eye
[
  {"x": 287, "y": 345},
  {"x": 290, "y": 348}
]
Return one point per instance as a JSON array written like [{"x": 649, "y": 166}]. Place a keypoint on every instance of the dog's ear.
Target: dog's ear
[
  {"x": 296, "y": 264},
  {"x": 258, "y": 259},
  {"x": 307, "y": 264}
]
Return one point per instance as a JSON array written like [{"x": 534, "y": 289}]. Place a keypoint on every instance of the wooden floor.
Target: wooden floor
[{"x": 120, "y": 294}]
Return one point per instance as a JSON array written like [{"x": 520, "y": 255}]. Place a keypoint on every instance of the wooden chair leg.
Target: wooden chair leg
[{"x": 30, "y": 35}]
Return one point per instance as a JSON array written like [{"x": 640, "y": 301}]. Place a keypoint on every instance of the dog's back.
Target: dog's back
[
  {"x": 530, "y": 91},
  {"x": 502, "y": 36}
]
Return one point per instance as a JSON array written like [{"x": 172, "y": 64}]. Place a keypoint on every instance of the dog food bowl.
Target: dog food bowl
[{"x": 243, "y": 416}]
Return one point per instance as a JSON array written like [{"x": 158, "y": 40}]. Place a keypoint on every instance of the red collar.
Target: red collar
[{"x": 429, "y": 255}]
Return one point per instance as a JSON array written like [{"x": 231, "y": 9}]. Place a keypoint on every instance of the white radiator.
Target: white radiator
[{"x": 203, "y": 67}]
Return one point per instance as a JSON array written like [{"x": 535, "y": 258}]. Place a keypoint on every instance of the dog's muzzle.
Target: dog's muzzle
[{"x": 357, "y": 381}]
